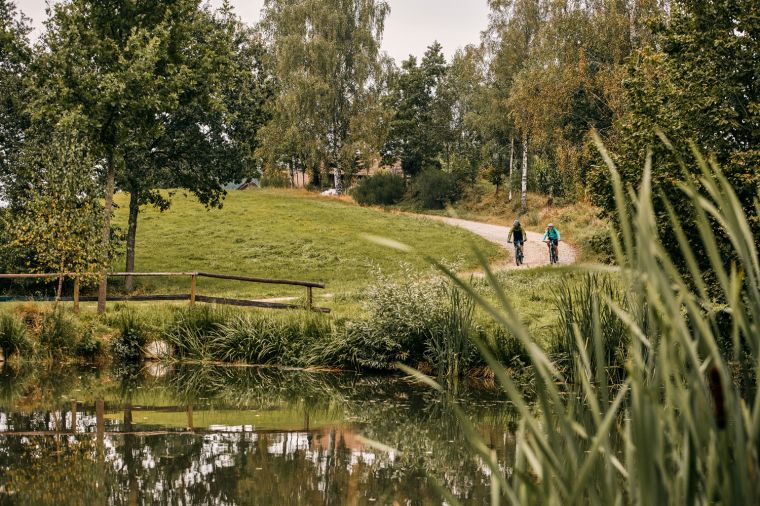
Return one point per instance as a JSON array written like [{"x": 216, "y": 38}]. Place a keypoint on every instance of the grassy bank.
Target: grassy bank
[
  {"x": 422, "y": 321},
  {"x": 286, "y": 235}
]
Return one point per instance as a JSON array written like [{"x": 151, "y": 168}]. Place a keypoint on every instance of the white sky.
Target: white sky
[{"x": 411, "y": 27}]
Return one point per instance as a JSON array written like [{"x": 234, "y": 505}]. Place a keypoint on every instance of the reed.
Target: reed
[
  {"x": 14, "y": 337},
  {"x": 677, "y": 428}
]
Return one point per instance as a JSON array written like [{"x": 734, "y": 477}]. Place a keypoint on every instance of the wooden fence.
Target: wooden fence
[{"x": 193, "y": 296}]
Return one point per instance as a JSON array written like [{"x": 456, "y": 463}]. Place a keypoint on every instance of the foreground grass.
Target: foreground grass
[{"x": 286, "y": 235}]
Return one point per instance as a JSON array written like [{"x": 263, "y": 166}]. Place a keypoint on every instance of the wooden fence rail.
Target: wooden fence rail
[{"x": 193, "y": 296}]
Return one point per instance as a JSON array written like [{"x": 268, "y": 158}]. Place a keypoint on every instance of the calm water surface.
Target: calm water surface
[{"x": 215, "y": 435}]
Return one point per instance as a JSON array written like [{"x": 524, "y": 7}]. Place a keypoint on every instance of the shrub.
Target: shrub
[
  {"x": 401, "y": 318},
  {"x": 273, "y": 177},
  {"x": 88, "y": 346},
  {"x": 13, "y": 336},
  {"x": 128, "y": 344},
  {"x": 434, "y": 189},
  {"x": 380, "y": 190},
  {"x": 58, "y": 333}
]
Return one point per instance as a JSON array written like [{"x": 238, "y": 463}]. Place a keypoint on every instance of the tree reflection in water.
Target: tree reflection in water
[{"x": 212, "y": 435}]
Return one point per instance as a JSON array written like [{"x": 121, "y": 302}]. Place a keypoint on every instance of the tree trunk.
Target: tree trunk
[
  {"x": 524, "y": 190},
  {"x": 338, "y": 182},
  {"x": 134, "y": 209},
  {"x": 59, "y": 290},
  {"x": 511, "y": 165},
  {"x": 106, "y": 240}
]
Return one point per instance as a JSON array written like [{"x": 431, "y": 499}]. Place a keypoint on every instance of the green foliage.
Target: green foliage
[
  {"x": 382, "y": 189},
  {"x": 697, "y": 85},
  {"x": 419, "y": 116},
  {"x": 169, "y": 97},
  {"x": 451, "y": 350},
  {"x": 274, "y": 177},
  {"x": 15, "y": 56},
  {"x": 192, "y": 330},
  {"x": 414, "y": 322},
  {"x": 14, "y": 338},
  {"x": 89, "y": 347},
  {"x": 434, "y": 189}
]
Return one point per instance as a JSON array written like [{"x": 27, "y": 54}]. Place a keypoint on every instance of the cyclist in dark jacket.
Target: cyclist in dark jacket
[{"x": 517, "y": 234}]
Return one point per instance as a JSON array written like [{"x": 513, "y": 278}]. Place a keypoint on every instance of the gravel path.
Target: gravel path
[{"x": 536, "y": 251}]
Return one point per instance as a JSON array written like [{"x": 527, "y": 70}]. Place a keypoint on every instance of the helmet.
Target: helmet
[
  {"x": 516, "y": 223},
  {"x": 550, "y": 225}
]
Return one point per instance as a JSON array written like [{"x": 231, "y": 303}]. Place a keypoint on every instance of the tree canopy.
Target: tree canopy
[{"x": 328, "y": 67}]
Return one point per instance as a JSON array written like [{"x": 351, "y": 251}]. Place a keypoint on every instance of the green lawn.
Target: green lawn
[{"x": 285, "y": 234}]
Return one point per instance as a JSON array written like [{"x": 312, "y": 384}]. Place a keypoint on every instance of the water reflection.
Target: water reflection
[{"x": 209, "y": 435}]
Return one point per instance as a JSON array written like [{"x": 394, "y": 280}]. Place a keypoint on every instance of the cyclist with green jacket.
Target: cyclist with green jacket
[{"x": 552, "y": 238}]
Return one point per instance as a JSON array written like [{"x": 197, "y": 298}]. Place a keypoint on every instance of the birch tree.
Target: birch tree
[
  {"x": 56, "y": 220},
  {"x": 328, "y": 67}
]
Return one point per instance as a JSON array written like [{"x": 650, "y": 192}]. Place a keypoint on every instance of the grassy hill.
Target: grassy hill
[{"x": 284, "y": 234}]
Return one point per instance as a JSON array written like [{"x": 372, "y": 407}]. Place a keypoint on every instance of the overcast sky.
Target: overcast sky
[{"x": 411, "y": 27}]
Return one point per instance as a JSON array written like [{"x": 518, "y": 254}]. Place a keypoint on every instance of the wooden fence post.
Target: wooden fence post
[
  {"x": 309, "y": 298},
  {"x": 76, "y": 294},
  {"x": 193, "y": 288}
]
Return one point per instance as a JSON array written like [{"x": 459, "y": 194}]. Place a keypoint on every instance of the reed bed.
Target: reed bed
[{"x": 677, "y": 425}]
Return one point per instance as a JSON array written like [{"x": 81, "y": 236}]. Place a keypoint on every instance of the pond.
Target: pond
[{"x": 228, "y": 435}]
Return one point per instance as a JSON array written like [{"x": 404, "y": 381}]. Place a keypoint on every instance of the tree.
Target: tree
[
  {"x": 149, "y": 78},
  {"x": 328, "y": 69},
  {"x": 15, "y": 55},
  {"x": 57, "y": 225},
  {"x": 420, "y": 117},
  {"x": 508, "y": 40},
  {"x": 699, "y": 84}
]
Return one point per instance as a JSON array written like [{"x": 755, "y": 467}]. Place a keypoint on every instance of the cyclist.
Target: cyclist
[
  {"x": 552, "y": 238},
  {"x": 519, "y": 236}
]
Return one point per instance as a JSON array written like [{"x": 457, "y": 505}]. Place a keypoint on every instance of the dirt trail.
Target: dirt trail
[{"x": 536, "y": 251}]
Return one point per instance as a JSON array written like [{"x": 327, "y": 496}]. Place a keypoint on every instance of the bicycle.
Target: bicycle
[
  {"x": 519, "y": 253},
  {"x": 553, "y": 251}
]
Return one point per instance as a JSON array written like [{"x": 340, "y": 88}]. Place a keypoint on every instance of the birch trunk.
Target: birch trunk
[
  {"x": 338, "y": 182},
  {"x": 134, "y": 209},
  {"x": 524, "y": 196},
  {"x": 106, "y": 240},
  {"x": 511, "y": 165}
]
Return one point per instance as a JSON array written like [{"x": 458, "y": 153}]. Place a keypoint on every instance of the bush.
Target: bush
[
  {"x": 127, "y": 347},
  {"x": 434, "y": 189},
  {"x": 273, "y": 177},
  {"x": 58, "y": 333},
  {"x": 88, "y": 347},
  {"x": 380, "y": 190},
  {"x": 13, "y": 336},
  {"x": 415, "y": 322}
]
